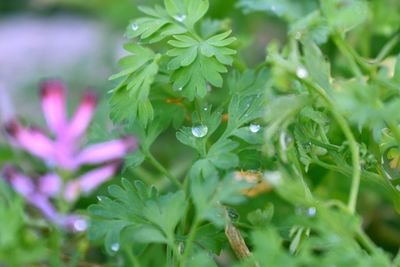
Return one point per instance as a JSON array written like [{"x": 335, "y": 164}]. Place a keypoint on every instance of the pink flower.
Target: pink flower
[
  {"x": 38, "y": 195},
  {"x": 64, "y": 152}
]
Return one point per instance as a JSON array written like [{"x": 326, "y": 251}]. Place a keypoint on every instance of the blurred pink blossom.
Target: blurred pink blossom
[{"x": 64, "y": 152}]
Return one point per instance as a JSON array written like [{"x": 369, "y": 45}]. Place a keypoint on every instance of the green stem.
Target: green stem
[
  {"x": 132, "y": 258},
  {"x": 171, "y": 246},
  {"x": 190, "y": 241},
  {"x": 365, "y": 241},
  {"x": 348, "y": 53},
  {"x": 385, "y": 50},
  {"x": 355, "y": 156},
  {"x": 170, "y": 257},
  {"x": 163, "y": 170}
]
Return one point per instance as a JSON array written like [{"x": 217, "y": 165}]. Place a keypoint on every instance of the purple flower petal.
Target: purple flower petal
[
  {"x": 42, "y": 203},
  {"x": 26, "y": 188},
  {"x": 72, "y": 191},
  {"x": 21, "y": 183},
  {"x": 65, "y": 154},
  {"x": 90, "y": 180},
  {"x": 50, "y": 184},
  {"x": 53, "y": 104},
  {"x": 31, "y": 139},
  {"x": 83, "y": 115},
  {"x": 111, "y": 150}
]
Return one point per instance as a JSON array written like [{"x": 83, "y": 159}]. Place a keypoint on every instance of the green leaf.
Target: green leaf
[
  {"x": 316, "y": 64},
  {"x": 195, "y": 62},
  {"x": 261, "y": 218},
  {"x": 290, "y": 10},
  {"x": 210, "y": 237},
  {"x": 202, "y": 259},
  {"x": 154, "y": 28},
  {"x": 344, "y": 15},
  {"x": 130, "y": 98},
  {"x": 221, "y": 154},
  {"x": 247, "y": 135},
  {"x": 281, "y": 112},
  {"x": 313, "y": 27},
  {"x": 187, "y": 12},
  {"x": 137, "y": 209},
  {"x": 123, "y": 107},
  {"x": 185, "y": 136},
  {"x": 208, "y": 193}
]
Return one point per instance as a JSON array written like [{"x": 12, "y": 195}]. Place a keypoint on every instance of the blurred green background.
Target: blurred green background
[{"x": 81, "y": 42}]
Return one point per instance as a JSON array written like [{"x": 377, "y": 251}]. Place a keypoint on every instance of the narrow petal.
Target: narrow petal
[
  {"x": 96, "y": 177},
  {"x": 50, "y": 184},
  {"x": 90, "y": 180},
  {"x": 83, "y": 115},
  {"x": 53, "y": 104},
  {"x": 21, "y": 183},
  {"x": 111, "y": 150},
  {"x": 42, "y": 203},
  {"x": 32, "y": 140}
]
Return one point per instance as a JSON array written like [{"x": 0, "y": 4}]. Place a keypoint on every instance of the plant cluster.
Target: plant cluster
[{"x": 293, "y": 162}]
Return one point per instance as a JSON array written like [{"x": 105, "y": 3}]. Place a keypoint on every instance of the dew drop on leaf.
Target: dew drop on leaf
[
  {"x": 115, "y": 247},
  {"x": 391, "y": 163},
  {"x": 254, "y": 128},
  {"x": 301, "y": 73},
  {"x": 200, "y": 130},
  {"x": 311, "y": 211},
  {"x": 180, "y": 88},
  {"x": 80, "y": 225},
  {"x": 180, "y": 17},
  {"x": 134, "y": 26},
  {"x": 181, "y": 247}
]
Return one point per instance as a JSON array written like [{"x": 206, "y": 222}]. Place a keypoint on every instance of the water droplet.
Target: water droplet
[
  {"x": 181, "y": 248},
  {"x": 273, "y": 177},
  {"x": 233, "y": 214},
  {"x": 254, "y": 128},
  {"x": 180, "y": 17},
  {"x": 311, "y": 211},
  {"x": 180, "y": 88},
  {"x": 205, "y": 108},
  {"x": 298, "y": 35},
  {"x": 301, "y": 73},
  {"x": 200, "y": 130},
  {"x": 80, "y": 225},
  {"x": 307, "y": 146},
  {"x": 398, "y": 187},
  {"x": 391, "y": 163},
  {"x": 115, "y": 247},
  {"x": 134, "y": 26},
  {"x": 100, "y": 198}
]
